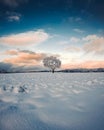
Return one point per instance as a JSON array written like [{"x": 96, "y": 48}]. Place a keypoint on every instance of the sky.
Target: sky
[{"x": 71, "y": 30}]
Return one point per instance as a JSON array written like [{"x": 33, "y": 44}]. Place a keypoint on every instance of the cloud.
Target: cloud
[
  {"x": 71, "y": 40},
  {"x": 89, "y": 54},
  {"x": 14, "y": 18},
  {"x": 24, "y": 58},
  {"x": 75, "y": 19},
  {"x": 90, "y": 38},
  {"x": 94, "y": 44},
  {"x": 85, "y": 64},
  {"x": 5, "y": 67},
  {"x": 26, "y": 38},
  {"x": 63, "y": 42},
  {"x": 78, "y": 19},
  {"x": 90, "y": 44},
  {"x": 73, "y": 49},
  {"x": 13, "y": 3},
  {"x": 11, "y": 52},
  {"x": 74, "y": 39},
  {"x": 8, "y": 67},
  {"x": 78, "y": 30}
]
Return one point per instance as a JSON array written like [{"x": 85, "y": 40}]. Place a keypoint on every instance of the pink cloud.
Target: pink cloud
[
  {"x": 73, "y": 49},
  {"x": 11, "y": 52},
  {"x": 24, "y": 58},
  {"x": 26, "y": 38},
  {"x": 85, "y": 64},
  {"x": 95, "y": 44}
]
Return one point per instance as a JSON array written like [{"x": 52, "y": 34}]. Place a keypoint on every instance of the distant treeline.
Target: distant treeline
[
  {"x": 64, "y": 71},
  {"x": 82, "y": 70}
]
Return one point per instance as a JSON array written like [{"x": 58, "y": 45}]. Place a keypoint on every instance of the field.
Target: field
[{"x": 46, "y": 101}]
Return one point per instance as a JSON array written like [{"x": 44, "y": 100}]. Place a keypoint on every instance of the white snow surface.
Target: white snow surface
[{"x": 46, "y": 101}]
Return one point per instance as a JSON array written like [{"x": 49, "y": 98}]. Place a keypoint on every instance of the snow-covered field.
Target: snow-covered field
[{"x": 46, "y": 101}]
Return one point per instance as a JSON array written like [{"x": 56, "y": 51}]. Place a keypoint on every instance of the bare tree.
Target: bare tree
[{"x": 52, "y": 62}]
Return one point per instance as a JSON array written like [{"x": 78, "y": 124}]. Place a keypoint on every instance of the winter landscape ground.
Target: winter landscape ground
[{"x": 46, "y": 101}]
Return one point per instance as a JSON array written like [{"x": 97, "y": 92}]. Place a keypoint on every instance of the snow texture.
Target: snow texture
[{"x": 46, "y": 101}]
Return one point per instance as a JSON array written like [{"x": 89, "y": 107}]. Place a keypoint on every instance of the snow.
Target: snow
[{"x": 46, "y": 101}]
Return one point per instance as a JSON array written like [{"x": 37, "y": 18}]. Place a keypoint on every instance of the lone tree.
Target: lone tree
[{"x": 52, "y": 62}]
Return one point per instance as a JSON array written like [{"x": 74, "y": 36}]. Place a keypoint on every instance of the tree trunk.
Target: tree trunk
[{"x": 53, "y": 70}]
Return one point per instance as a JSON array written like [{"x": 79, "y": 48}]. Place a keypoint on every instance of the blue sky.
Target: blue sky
[{"x": 72, "y": 30}]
